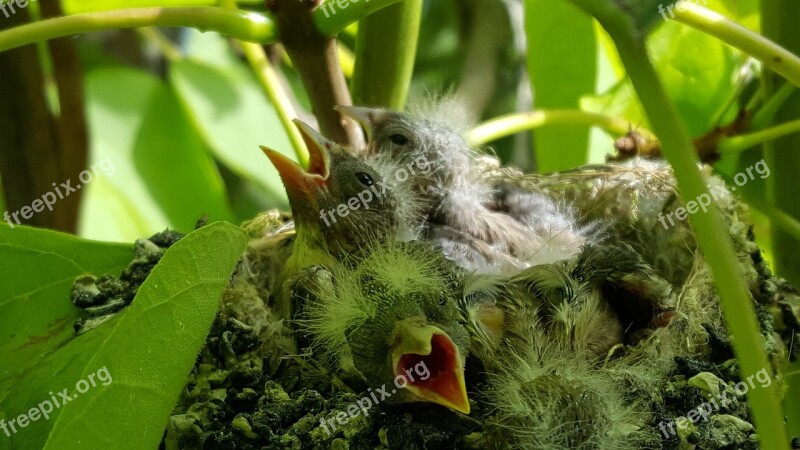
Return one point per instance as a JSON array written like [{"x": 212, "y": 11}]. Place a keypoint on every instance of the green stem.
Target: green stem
[
  {"x": 330, "y": 18},
  {"x": 502, "y": 126},
  {"x": 170, "y": 51},
  {"x": 386, "y": 47},
  {"x": 786, "y": 222},
  {"x": 769, "y": 53},
  {"x": 243, "y": 25},
  {"x": 712, "y": 236},
  {"x": 733, "y": 97},
  {"x": 271, "y": 84},
  {"x": 740, "y": 143},
  {"x": 766, "y": 114}
]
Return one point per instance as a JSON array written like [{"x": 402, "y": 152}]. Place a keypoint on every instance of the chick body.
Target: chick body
[
  {"x": 392, "y": 312},
  {"x": 337, "y": 204},
  {"x": 456, "y": 197},
  {"x": 551, "y": 339}
]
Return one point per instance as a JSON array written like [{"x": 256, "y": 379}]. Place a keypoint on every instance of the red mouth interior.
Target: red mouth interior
[{"x": 441, "y": 364}]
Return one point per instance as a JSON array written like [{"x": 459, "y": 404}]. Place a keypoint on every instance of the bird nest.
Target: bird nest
[{"x": 672, "y": 384}]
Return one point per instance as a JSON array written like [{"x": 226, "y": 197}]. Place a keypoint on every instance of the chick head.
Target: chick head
[
  {"x": 393, "y": 317},
  {"x": 410, "y": 139},
  {"x": 338, "y": 198}
]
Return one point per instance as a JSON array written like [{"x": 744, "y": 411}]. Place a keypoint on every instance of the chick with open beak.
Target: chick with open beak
[
  {"x": 393, "y": 320},
  {"x": 337, "y": 203}
]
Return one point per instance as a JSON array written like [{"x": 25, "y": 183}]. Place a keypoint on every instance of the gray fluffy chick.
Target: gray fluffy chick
[{"x": 457, "y": 200}]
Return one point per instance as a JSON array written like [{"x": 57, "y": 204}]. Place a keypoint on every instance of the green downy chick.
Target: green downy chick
[
  {"x": 393, "y": 314},
  {"x": 326, "y": 225},
  {"x": 547, "y": 338},
  {"x": 583, "y": 304},
  {"x": 547, "y": 399},
  {"x": 457, "y": 198}
]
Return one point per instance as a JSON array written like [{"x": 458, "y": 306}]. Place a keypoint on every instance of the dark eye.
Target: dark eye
[
  {"x": 398, "y": 139},
  {"x": 364, "y": 179},
  {"x": 442, "y": 300}
]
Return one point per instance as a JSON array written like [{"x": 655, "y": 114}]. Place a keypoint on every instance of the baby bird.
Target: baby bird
[
  {"x": 336, "y": 203},
  {"x": 549, "y": 340},
  {"x": 456, "y": 197},
  {"x": 393, "y": 315},
  {"x": 584, "y": 306}
]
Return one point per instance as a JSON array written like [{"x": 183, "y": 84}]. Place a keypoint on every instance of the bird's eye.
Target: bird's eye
[
  {"x": 442, "y": 300},
  {"x": 364, "y": 179},
  {"x": 398, "y": 139}
]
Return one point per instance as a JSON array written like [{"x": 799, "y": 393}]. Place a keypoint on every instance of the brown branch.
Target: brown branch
[
  {"x": 37, "y": 149},
  {"x": 316, "y": 60},
  {"x": 634, "y": 144}
]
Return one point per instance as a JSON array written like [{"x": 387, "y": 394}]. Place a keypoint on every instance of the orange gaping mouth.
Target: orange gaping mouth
[
  {"x": 295, "y": 178},
  {"x": 434, "y": 369}
]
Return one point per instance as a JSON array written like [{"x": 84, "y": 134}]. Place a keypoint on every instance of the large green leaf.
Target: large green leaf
[
  {"x": 125, "y": 376},
  {"x": 118, "y": 207},
  {"x": 697, "y": 71},
  {"x": 39, "y": 267},
  {"x": 176, "y": 166},
  {"x": 561, "y": 71},
  {"x": 233, "y": 115},
  {"x": 153, "y": 169}
]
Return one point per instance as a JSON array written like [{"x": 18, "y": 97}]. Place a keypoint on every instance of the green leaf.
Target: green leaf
[
  {"x": 697, "y": 71},
  {"x": 118, "y": 207},
  {"x": 125, "y": 376},
  {"x": 561, "y": 70},
  {"x": 34, "y": 303},
  {"x": 232, "y": 114},
  {"x": 176, "y": 166},
  {"x": 153, "y": 170}
]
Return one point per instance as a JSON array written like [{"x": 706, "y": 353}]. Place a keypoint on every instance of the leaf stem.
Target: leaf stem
[
  {"x": 712, "y": 236},
  {"x": 385, "y": 50},
  {"x": 769, "y": 53},
  {"x": 766, "y": 114},
  {"x": 243, "y": 25},
  {"x": 167, "y": 48},
  {"x": 786, "y": 222},
  {"x": 271, "y": 84},
  {"x": 502, "y": 126},
  {"x": 737, "y": 144}
]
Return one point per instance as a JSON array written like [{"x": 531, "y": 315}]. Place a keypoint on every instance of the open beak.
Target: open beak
[
  {"x": 319, "y": 149},
  {"x": 300, "y": 184},
  {"x": 424, "y": 351},
  {"x": 366, "y": 117}
]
